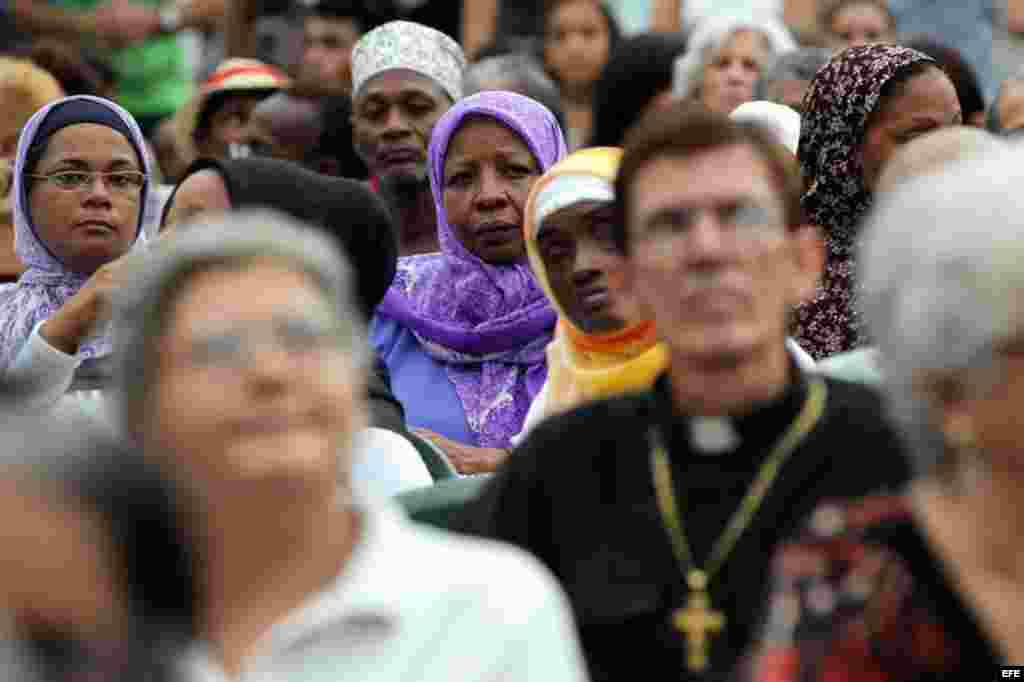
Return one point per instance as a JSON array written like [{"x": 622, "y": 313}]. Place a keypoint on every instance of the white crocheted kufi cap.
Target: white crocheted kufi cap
[{"x": 412, "y": 46}]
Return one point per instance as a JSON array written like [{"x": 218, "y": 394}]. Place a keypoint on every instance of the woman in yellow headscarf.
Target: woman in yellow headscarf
[{"x": 597, "y": 352}]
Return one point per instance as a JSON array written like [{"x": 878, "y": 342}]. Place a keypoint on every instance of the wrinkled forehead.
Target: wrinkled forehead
[{"x": 720, "y": 174}]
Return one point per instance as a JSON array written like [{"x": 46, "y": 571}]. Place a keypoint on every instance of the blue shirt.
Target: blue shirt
[
  {"x": 964, "y": 24},
  {"x": 420, "y": 382}
]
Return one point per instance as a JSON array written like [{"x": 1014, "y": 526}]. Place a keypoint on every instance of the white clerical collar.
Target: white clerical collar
[
  {"x": 719, "y": 435},
  {"x": 713, "y": 435}
]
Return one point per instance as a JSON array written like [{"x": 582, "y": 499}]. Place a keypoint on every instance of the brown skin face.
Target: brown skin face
[
  {"x": 487, "y": 177},
  {"x": 284, "y": 128},
  {"x": 278, "y": 417},
  {"x": 327, "y": 44},
  {"x": 731, "y": 73},
  {"x": 89, "y": 227},
  {"x": 393, "y": 116},
  {"x": 577, "y": 43},
  {"x": 927, "y": 102},
  {"x": 577, "y": 248},
  {"x": 861, "y": 24},
  {"x": 202, "y": 192},
  {"x": 712, "y": 293},
  {"x": 227, "y": 125}
]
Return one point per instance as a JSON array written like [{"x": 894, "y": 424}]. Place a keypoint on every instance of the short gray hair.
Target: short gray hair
[
  {"x": 801, "y": 65},
  {"x": 940, "y": 302},
  {"x": 517, "y": 72},
  {"x": 143, "y": 303}
]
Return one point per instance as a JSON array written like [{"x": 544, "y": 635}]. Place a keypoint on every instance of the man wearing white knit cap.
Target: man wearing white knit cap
[{"x": 405, "y": 76}]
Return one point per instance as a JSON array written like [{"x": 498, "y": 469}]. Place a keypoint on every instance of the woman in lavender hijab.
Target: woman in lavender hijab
[
  {"x": 81, "y": 181},
  {"x": 463, "y": 331}
]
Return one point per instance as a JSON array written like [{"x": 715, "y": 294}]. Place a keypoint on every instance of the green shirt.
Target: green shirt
[{"x": 153, "y": 76}]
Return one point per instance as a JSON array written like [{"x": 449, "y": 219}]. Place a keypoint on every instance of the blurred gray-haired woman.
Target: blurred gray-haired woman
[
  {"x": 942, "y": 563},
  {"x": 242, "y": 369}
]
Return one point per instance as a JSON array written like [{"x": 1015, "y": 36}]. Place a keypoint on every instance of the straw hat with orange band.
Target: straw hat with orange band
[
  {"x": 234, "y": 76},
  {"x": 587, "y": 366}
]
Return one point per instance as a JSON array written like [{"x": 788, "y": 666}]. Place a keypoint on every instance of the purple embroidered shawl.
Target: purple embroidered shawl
[
  {"x": 47, "y": 284},
  {"x": 489, "y": 324}
]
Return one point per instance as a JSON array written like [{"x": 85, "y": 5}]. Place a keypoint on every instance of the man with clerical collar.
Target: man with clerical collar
[
  {"x": 658, "y": 511},
  {"x": 405, "y": 76}
]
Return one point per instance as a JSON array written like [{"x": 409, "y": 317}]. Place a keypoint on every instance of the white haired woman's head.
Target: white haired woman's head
[
  {"x": 943, "y": 294},
  {"x": 725, "y": 60}
]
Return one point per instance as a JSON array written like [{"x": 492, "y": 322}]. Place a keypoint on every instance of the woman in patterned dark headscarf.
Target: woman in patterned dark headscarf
[{"x": 860, "y": 107}]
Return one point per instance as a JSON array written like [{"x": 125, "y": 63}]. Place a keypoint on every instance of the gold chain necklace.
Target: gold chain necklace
[{"x": 698, "y": 621}]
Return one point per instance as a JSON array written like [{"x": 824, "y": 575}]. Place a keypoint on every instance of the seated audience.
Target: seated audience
[
  {"x": 285, "y": 125},
  {"x": 81, "y": 181},
  {"x": 861, "y": 107},
  {"x": 348, "y": 213},
  {"x": 725, "y": 59},
  {"x": 599, "y": 350},
  {"x": 251, "y": 404},
  {"x": 658, "y": 511},
  {"x": 926, "y": 586},
  {"x": 849, "y": 23},
  {"x": 216, "y": 118},
  {"x": 636, "y": 79},
  {"x": 579, "y": 36},
  {"x": 787, "y": 78},
  {"x": 463, "y": 331},
  {"x": 405, "y": 76},
  {"x": 330, "y": 29}
]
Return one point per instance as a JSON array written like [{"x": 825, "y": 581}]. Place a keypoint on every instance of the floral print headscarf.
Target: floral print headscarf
[{"x": 837, "y": 107}]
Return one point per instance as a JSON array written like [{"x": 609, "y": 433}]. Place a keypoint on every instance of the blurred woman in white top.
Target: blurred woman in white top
[{"x": 252, "y": 404}]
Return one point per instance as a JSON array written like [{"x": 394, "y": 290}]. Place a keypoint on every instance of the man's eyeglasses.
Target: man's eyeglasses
[
  {"x": 128, "y": 183},
  {"x": 746, "y": 219}
]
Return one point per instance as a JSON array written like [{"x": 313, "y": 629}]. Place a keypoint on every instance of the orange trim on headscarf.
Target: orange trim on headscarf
[{"x": 638, "y": 335}]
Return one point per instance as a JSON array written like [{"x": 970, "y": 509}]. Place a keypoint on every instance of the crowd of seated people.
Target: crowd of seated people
[{"x": 559, "y": 353}]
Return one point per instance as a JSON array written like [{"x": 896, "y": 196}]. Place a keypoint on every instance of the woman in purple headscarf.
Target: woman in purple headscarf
[
  {"x": 81, "y": 180},
  {"x": 463, "y": 331}
]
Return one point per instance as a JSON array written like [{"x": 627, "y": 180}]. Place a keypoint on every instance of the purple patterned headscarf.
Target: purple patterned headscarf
[
  {"x": 837, "y": 107},
  {"x": 47, "y": 283},
  {"x": 489, "y": 324}
]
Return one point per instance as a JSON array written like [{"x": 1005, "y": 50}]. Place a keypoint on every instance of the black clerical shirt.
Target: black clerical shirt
[{"x": 579, "y": 494}]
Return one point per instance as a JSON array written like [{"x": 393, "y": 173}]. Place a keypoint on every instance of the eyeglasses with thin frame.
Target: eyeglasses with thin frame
[
  {"x": 300, "y": 338},
  {"x": 743, "y": 223},
  {"x": 128, "y": 183}
]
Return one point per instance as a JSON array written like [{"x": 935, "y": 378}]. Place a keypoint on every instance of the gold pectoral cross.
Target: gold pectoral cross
[{"x": 698, "y": 621}]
